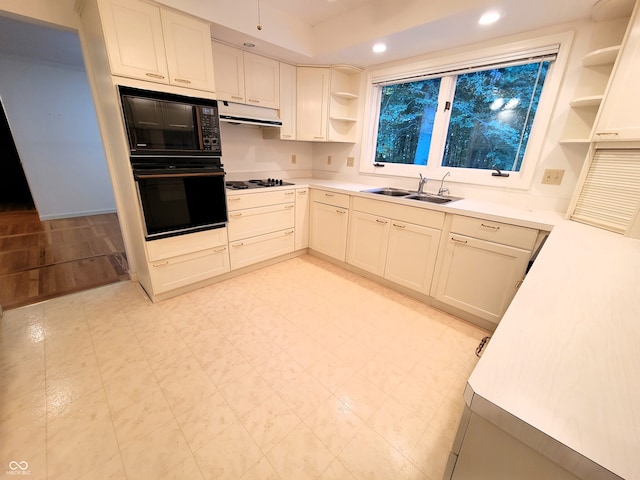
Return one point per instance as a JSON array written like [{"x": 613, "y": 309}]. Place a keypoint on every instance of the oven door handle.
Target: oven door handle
[{"x": 144, "y": 176}]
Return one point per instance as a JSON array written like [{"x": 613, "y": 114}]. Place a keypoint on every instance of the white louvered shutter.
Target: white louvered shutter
[{"x": 610, "y": 195}]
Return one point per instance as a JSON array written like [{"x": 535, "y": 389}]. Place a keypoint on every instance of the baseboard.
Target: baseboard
[{"x": 87, "y": 213}]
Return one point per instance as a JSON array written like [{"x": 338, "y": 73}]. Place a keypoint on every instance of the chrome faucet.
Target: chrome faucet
[
  {"x": 443, "y": 190},
  {"x": 421, "y": 183}
]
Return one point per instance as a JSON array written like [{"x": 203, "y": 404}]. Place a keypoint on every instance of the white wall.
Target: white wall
[
  {"x": 246, "y": 154},
  {"x": 53, "y": 121}
]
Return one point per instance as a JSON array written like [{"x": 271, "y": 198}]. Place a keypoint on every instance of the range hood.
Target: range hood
[{"x": 238, "y": 113}]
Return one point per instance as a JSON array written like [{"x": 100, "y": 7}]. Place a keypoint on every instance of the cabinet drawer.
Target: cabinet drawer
[
  {"x": 167, "y": 275},
  {"x": 185, "y": 244},
  {"x": 263, "y": 247},
  {"x": 404, "y": 213},
  {"x": 330, "y": 198},
  {"x": 250, "y": 200},
  {"x": 497, "y": 232},
  {"x": 258, "y": 221}
]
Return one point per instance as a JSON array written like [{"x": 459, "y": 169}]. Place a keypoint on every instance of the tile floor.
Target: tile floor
[{"x": 301, "y": 370}]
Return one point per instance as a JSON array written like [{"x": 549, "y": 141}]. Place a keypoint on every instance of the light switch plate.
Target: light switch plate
[{"x": 350, "y": 161}]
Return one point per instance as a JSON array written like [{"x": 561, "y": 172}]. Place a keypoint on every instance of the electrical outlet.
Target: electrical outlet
[
  {"x": 552, "y": 177},
  {"x": 328, "y": 159},
  {"x": 350, "y": 161},
  {"x": 293, "y": 159}
]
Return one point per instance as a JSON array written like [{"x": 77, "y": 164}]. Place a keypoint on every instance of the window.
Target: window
[{"x": 466, "y": 117}]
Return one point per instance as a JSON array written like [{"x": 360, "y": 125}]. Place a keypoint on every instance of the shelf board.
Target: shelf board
[
  {"x": 575, "y": 141},
  {"x": 602, "y": 56},
  {"x": 344, "y": 119},
  {"x": 349, "y": 95},
  {"x": 588, "y": 101}
]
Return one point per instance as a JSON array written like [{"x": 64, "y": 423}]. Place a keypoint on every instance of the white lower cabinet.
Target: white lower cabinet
[
  {"x": 329, "y": 223},
  {"x": 480, "y": 274},
  {"x": 392, "y": 246},
  {"x": 179, "y": 261},
  {"x": 261, "y": 226}
]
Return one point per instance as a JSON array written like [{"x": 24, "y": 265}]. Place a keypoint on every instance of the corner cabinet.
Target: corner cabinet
[
  {"x": 328, "y": 103},
  {"x": 398, "y": 243},
  {"x": 156, "y": 44},
  {"x": 482, "y": 265},
  {"x": 618, "y": 118},
  {"x": 329, "y": 223}
]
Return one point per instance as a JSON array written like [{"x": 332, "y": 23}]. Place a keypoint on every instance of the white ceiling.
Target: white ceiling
[{"x": 330, "y": 31}]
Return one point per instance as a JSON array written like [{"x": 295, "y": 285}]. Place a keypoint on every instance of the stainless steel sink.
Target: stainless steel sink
[
  {"x": 411, "y": 195},
  {"x": 389, "y": 191},
  {"x": 432, "y": 198}
]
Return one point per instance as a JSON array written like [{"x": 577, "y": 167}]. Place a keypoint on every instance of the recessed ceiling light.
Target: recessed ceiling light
[
  {"x": 379, "y": 47},
  {"x": 489, "y": 18}
]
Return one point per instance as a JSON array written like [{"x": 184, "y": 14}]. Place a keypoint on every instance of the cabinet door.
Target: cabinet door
[
  {"x": 134, "y": 39},
  {"x": 302, "y": 218},
  {"x": 228, "y": 67},
  {"x": 411, "y": 255},
  {"x": 313, "y": 103},
  {"x": 328, "y": 233},
  {"x": 480, "y": 277},
  {"x": 618, "y": 119},
  {"x": 287, "y": 101},
  {"x": 188, "y": 48},
  {"x": 261, "y": 81},
  {"x": 368, "y": 239}
]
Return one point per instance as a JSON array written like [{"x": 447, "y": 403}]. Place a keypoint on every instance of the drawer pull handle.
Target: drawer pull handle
[
  {"x": 329, "y": 195},
  {"x": 286, "y": 136},
  {"x": 288, "y": 232},
  {"x": 459, "y": 241},
  {"x": 238, "y": 244},
  {"x": 288, "y": 193},
  {"x": 302, "y": 192},
  {"x": 604, "y": 134},
  {"x": 234, "y": 199},
  {"x": 183, "y": 80},
  {"x": 288, "y": 207},
  {"x": 253, "y": 100},
  {"x": 341, "y": 212},
  {"x": 154, "y": 75},
  {"x": 218, "y": 250},
  {"x": 236, "y": 97},
  {"x": 398, "y": 225},
  {"x": 161, "y": 264},
  {"x": 492, "y": 227},
  {"x": 519, "y": 284},
  {"x": 318, "y": 138},
  {"x": 235, "y": 215},
  {"x": 384, "y": 222}
]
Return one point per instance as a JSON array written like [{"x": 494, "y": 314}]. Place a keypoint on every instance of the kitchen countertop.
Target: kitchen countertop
[{"x": 562, "y": 371}]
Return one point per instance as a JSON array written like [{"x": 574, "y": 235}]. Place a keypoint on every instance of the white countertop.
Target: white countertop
[
  {"x": 563, "y": 366},
  {"x": 565, "y": 358}
]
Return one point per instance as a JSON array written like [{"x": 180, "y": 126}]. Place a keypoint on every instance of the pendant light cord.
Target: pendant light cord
[{"x": 259, "y": 26}]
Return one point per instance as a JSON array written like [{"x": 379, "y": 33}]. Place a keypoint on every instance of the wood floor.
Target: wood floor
[{"x": 45, "y": 259}]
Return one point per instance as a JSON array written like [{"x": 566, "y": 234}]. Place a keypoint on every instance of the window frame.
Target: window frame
[{"x": 438, "y": 67}]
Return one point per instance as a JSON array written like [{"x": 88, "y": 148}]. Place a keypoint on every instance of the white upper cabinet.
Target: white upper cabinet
[
  {"x": 244, "y": 77},
  {"x": 135, "y": 45},
  {"x": 158, "y": 45},
  {"x": 261, "y": 81},
  {"x": 328, "y": 102},
  {"x": 188, "y": 48},
  {"x": 288, "y": 97},
  {"x": 228, "y": 64},
  {"x": 312, "y": 103},
  {"x": 618, "y": 118}
]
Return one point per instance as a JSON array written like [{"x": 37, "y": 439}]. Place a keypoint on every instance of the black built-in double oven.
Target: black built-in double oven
[{"x": 175, "y": 154}]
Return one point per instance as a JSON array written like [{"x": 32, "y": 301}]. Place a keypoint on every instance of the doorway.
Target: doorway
[{"x": 59, "y": 232}]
